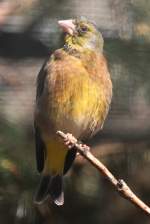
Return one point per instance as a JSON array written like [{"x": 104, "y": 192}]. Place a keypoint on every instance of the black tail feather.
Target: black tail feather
[
  {"x": 50, "y": 186},
  {"x": 41, "y": 193},
  {"x": 56, "y": 190}
]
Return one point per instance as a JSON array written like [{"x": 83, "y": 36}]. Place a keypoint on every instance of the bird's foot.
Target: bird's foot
[
  {"x": 85, "y": 147},
  {"x": 70, "y": 140}
]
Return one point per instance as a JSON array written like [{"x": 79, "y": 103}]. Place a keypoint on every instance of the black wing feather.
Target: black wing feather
[
  {"x": 41, "y": 79},
  {"x": 39, "y": 143},
  {"x": 40, "y": 150},
  {"x": 69, "y": 159}
]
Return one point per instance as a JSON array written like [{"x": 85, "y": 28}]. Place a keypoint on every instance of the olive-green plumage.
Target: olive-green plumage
[{"x": 74, "y": 91}]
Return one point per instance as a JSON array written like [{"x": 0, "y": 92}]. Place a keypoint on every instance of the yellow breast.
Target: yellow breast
[{"x": 77, "y": 102}]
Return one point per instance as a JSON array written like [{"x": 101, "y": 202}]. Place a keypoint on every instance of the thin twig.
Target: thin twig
[{"x": 119, "y": 184}]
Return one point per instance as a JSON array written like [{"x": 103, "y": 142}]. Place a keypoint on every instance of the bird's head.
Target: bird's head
[{"x": 80, "y": 34}]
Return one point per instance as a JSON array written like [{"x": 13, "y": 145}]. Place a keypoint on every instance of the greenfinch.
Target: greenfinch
[{"x": 74, "y": 91}]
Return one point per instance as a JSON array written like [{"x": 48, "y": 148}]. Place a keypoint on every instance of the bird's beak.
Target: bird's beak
[{"x": 67, "y": 26}]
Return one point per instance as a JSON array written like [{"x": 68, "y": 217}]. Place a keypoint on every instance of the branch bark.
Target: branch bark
[{"x": 120, "y": 186}]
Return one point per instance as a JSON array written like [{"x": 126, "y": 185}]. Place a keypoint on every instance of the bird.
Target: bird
[{"x": 74, "y": 91}]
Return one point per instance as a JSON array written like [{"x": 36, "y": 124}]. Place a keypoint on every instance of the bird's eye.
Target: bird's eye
[{"x": 84, "y": 29}]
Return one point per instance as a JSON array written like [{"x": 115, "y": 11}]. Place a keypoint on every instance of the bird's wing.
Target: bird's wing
[
  {"x": 71, "y": 154},
  {"x": 40, "y": 149},
  {"x": 40, "y": 80},
  {"x": 39, "y": 143}
]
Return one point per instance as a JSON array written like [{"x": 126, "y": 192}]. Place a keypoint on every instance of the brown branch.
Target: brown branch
[{"x": 120, "y": 186}]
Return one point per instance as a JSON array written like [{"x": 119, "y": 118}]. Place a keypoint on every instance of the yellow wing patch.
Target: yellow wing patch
[{"x": 55, "y": 157}]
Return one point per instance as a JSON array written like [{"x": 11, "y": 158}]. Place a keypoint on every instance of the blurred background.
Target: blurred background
[{"x": 28, "y": 34}]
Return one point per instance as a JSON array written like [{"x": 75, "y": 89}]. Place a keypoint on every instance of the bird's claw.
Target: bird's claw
[
  {"x": 85, "y": 147},
  {"x": 70, "y": 140}
]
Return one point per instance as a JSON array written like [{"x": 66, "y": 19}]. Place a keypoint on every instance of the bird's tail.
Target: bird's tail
[{"x": 50, "y": 186}]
